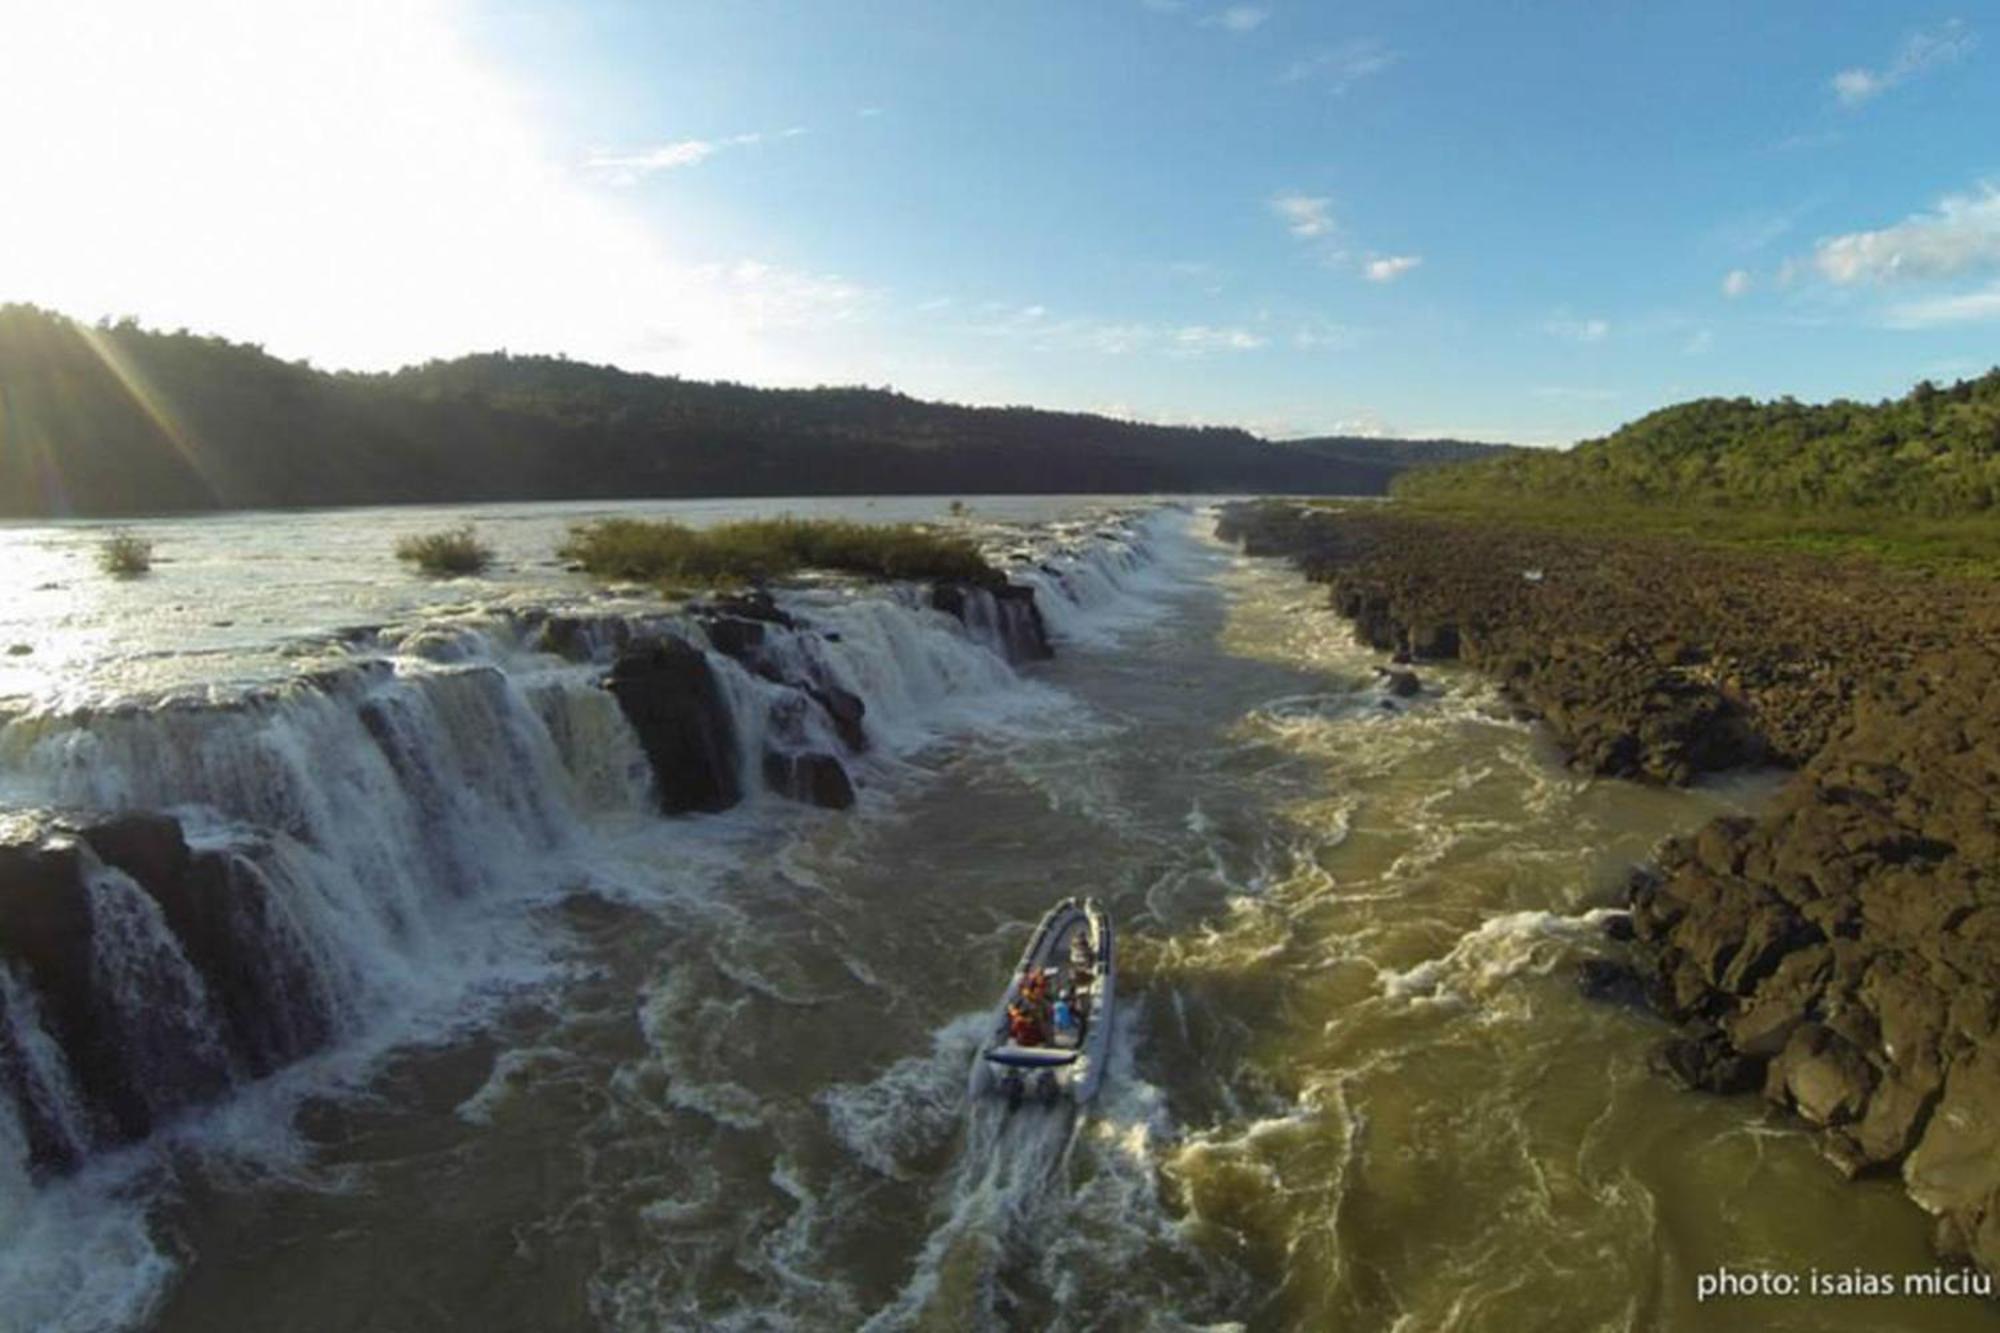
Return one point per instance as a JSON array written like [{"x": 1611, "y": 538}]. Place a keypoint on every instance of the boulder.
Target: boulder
[
  {"x": 1955, "y": 1167},
  {"x": 669, "y": 693}
]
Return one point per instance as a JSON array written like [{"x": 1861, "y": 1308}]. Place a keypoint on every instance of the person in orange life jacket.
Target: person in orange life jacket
[{"x": 1023, "y": 1028}]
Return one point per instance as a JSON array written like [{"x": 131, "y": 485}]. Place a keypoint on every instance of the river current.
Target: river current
[{"x": 709, "y": 1072}]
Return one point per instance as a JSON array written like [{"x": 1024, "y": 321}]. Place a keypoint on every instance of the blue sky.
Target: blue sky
[{"x": 1518, "y": 222}]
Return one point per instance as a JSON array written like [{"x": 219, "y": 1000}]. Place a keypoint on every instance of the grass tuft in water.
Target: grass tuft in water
[
  {"x": 452, "y": 551},
  {"x": 125, "y": 555}
]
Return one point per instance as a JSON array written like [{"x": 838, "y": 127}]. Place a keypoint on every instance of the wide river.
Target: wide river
[{"x": 717, "y": 1078}]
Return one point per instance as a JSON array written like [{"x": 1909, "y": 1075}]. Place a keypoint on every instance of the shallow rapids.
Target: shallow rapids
[{"x": 1353, "y": 1085}]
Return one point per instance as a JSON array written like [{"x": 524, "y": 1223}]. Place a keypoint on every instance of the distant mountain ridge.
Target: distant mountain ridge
[
  {"x": 1935, "y": 451},
  {"x": 118, "y": 420}
]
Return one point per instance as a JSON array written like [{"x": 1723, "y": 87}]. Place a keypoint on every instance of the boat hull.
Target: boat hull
[{"x": 1073, "y": 948}]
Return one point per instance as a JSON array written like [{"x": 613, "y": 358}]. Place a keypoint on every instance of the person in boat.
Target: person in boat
[
  {"x": 1065, "y": 1023},
  {"x": 1023, "y": 1028}
]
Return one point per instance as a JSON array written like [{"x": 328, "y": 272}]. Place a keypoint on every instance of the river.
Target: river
[{"x": 709, "y": 1072}]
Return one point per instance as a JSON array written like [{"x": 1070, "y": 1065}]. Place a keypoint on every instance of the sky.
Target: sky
[{"x": 1397, "y": 217}]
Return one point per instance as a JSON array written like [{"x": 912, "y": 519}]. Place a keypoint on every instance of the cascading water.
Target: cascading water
[{"x": 333, "y": 857}]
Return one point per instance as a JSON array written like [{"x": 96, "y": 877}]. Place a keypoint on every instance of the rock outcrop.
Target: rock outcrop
[
  {"x": 1840, "y": 953},
  {"x": 140, "y": 1040},
  {"x": 670, "y": 695}
]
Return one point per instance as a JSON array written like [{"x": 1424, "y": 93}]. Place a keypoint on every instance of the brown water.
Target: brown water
[{"x": 1355, "y": 1087}]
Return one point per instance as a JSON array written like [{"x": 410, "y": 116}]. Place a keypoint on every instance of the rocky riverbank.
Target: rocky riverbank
[{"x": 1839, "y": 954}]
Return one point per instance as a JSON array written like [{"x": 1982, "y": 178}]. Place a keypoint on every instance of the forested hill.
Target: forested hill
[
  {"x": 111, "y": 420},
  {"x": 1935, "y": 451}
]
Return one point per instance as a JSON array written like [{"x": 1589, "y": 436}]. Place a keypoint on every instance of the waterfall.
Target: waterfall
[{"x": 197, "y": 892}]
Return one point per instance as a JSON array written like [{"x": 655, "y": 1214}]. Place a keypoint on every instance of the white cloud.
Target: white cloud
[
  {"x": 1569, "y": 394},
  {"x": 1033, "y": 326},
  {"x": 1577, "y": 330},
  {"x": 1304, "y": 215},
  {"x": 1920, "y": 52},
  {"x": 628, "y": 167},
  {"x": 1964, "y": 308},
  {"x": 1699, "y": 343},
  {"x": 1962, "y": 235},
  {"x": 1342, "y": 66},
  {"x": 1735, "y": 283},
  {"x": 1237, "y": 18},
  {"x": 1391, "y": 267},
  {"x": 433, "y": 215}
]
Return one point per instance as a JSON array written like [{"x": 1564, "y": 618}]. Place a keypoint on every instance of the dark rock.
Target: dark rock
[
  {"x": 1403, "y": 684},
  {"x": 1609, "y": 981},
  {"x": 1432, "y": 642},
  {"x": 950, "y": 599},
  {"x": 20, "y": 649},
  {"x": 735, "y": 637},
  {"x": 670, "y": 695},
  {"x": 817, "y": 779},
  {"x": 845, "y": 710},
  {"x": 1026, "y": 634},
  {"x": 1618, "y": 926},
  {"x": 757, "y": 605},
  {"x": 222, "y": 910},
  {"x": 46, "y": 935}
]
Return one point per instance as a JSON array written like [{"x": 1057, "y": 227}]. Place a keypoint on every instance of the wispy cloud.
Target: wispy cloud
[
  {"x": 775, "y": 298},
  {"x": 1316, "y": 335},
  {"x": 1585, "y": 330},
  {"x": 1699, "y": 343},
  {"x": 1390, "y": 267},
  {"x": 1921, "y": 52},
  {"x": 1229, "y": 18},
  {"x": 1963, "y": 308},
  {"x": 1735, "y": 283},
  {"x": 1237, "y": 18},
  {"x": 1341, "y": 67},
  {"x": 627, "y": 168},
  {"x": 1305, "y": 215},
  {"x": 1040, "y": 330},
  {"x": 1564, "y": 393},
  {"x": 1961, "y": 235}
]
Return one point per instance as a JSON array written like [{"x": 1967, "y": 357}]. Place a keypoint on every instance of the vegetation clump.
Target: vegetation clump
[
  {"x": 125, "y": 555},
  {"x": 452, "y": 551},
  {"x": 766, "y": 548}
]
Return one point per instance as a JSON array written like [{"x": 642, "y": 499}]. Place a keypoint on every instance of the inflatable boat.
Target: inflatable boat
[{"x": 1051, "y": 1034}]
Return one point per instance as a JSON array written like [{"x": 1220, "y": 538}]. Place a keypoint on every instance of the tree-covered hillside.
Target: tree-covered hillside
[
  {"x": 116, "y": 419},
  {"x": 1933, "y": 452}
]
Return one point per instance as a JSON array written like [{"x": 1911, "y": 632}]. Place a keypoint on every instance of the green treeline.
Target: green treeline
[
  {"x": 1934, "y": 452},
  {"x": 116, "y": 419}
]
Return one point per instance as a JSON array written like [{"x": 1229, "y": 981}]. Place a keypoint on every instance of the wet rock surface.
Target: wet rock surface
[
  {"x": 1841, "y": 952},
  {"x": 670, "y": 695}
]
